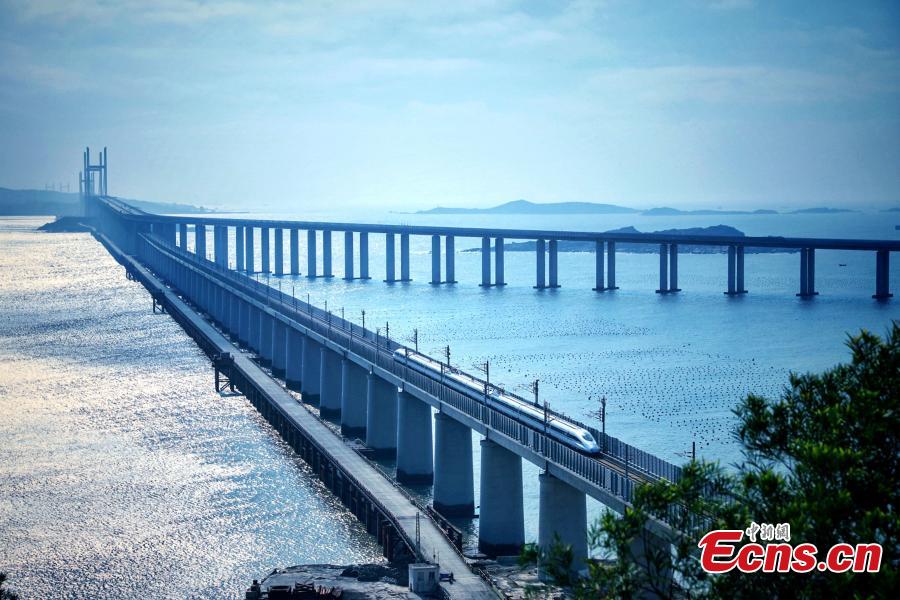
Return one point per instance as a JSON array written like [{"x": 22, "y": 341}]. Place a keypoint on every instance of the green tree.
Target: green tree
[
  {"x": 5, "y": 594},
  {"x": 824, "y": 457}
]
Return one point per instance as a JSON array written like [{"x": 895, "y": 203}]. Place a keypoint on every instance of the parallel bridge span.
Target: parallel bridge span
[{"x": 175, "y": 230}]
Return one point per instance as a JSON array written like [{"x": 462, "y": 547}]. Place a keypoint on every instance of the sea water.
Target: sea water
[{"x": 122, "y": 467}]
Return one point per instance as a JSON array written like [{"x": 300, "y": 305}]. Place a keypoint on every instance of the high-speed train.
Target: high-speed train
[{"x": 575, "y": 437}]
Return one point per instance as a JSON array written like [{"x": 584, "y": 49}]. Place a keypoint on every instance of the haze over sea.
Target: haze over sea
[{"x": 121, "y": 466}]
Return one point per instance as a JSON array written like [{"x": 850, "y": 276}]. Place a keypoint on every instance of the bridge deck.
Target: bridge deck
[{"x": 433, "y": 542}]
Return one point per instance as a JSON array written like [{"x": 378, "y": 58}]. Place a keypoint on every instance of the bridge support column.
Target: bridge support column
[
  {"x": 673, "y": 268},
  {"x": 200, "y": 240},
  {"x": 244, "y": 315},
  {"x": 251, "y": 252},
  {"x": 450, "y": 258},
  {"x": 808, "y": 273},
  {"x": 882, "y": 275},
  {"x": 611, "y": 266},
  {"x": 310, "y": 378},
  {"x": 563, "y": 513},
  {"x": 279, "y": 251},
  {"x": 404, "y": 257},
  {"x": 326, "y": 254},
  {"x": 501, "y": 520},
  {"x": 499, "y": 267},
  {"x": 414, "y": 440},
  {"x": 255, "y": 331},
  {"x": 599, "y": 277},
  {"x": 222, "y": 246},
  {"x": 265, "y": 339},
  {"x": 279, "y": 346},
  {"x": 330, "y": 384},
  {"x": 485, "y": 262},
  {"x": 389, "y": 260},
  {"x": 264, "y": 248},
  {"x": 649, "y": 552},
  {"x": 234, "y": 307},
  {"x": 381, "y": 417},
  {"x": 294, "y": 241},
  {"x": 293, "y": 359},
  {"x": 348, "y": 255},
  {"x": 354, "y": 399},
  {"x": 554, "y": 263},
  {"x": 311, "y": 253},
  {"x": 364, "y": 255},
  {"x": 454, "y": 494},
  {"x": 435, "y": 259},
  {"x": 541, "y": 282},
  {"x": 739, "y": 270},
  {"x": 182, "y": 236},
  {"x": 239, "y": 248},
  {"x": 663, "y": 269}
]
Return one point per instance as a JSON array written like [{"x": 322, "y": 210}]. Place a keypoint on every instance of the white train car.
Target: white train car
[{"x": 575, "y": 437}]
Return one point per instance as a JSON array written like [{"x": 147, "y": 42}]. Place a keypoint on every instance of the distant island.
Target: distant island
[
  {"x": 63, "y": 204},
  {"x": 524, "y": 207},
  {"x": 822, "y": 211},
  {"x": 713, "y": 231}
]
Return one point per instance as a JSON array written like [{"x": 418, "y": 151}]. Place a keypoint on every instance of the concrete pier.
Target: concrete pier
[
  {"x": 279, "y": 346},
  {"x": 563, "y": 513},
  {"x": 808, "y": 273},
  {"x": 326, "y": 253},
  {"x": 244, "y": 314},
  {"x": 279, "y": 251},
  {"x": 882, "y": 275},
  {"x": 611, "y": 266},
  {"x": 294, "y": 240},
  {"x": 265, "y": 339},
  {"x": 599, "y": 271},
  {"x": 553, "y": 260},
  {"x": 454, "y": 494},
  {"x": 354, "y": 399},
  {"x": 435, "y": 259},
  {"x": 293, "y": 360},
  {"x": 541, "y": 279},
  {"x": 255, "y": 331},
  {"x": 264, "y": 249},
  {"x": 735, "y": 270},
  {"x": 348, "y": 255},
  {"x": 310, "y": 379},
  {"x": 240, "y": 265},
  {"x": 182, "y": 236},
  {"x": 311, "y": 253},
  {"x": 251, "y": 254},
  {"x": 650, "y": 552},
  {"x": 450, "y": 258},
  {"x": 404, "y": 257},
  {"x": 501, "y": 529},
  {"x": 330, "y": 383},
  {"x": 381, "y": 417},
  {"x": 364, "y": 255},
  {"x": 673, "y": 268},
  {"x": 414, "y": 441},
  {"x": 499, "y": 267},
  {"x": 485, "y": 262},
  {"x": 663, "y": 269},
  {"x": 390, "y": 261}
]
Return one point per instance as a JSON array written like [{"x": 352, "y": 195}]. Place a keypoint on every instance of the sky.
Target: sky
[{"x": 309, "y": 106}]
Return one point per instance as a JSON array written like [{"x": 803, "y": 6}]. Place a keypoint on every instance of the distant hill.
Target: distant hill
[
  {"x": 665, "y": 211},
  {"x": 524, "y": 207},
  {"x": 822, "y": 211},
  {"x": 60, "y": 204},
  {"x": 715, "y": 230}
]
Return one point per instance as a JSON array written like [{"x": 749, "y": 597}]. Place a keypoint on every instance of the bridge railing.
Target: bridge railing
[{"x": 619, "y": 480}]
